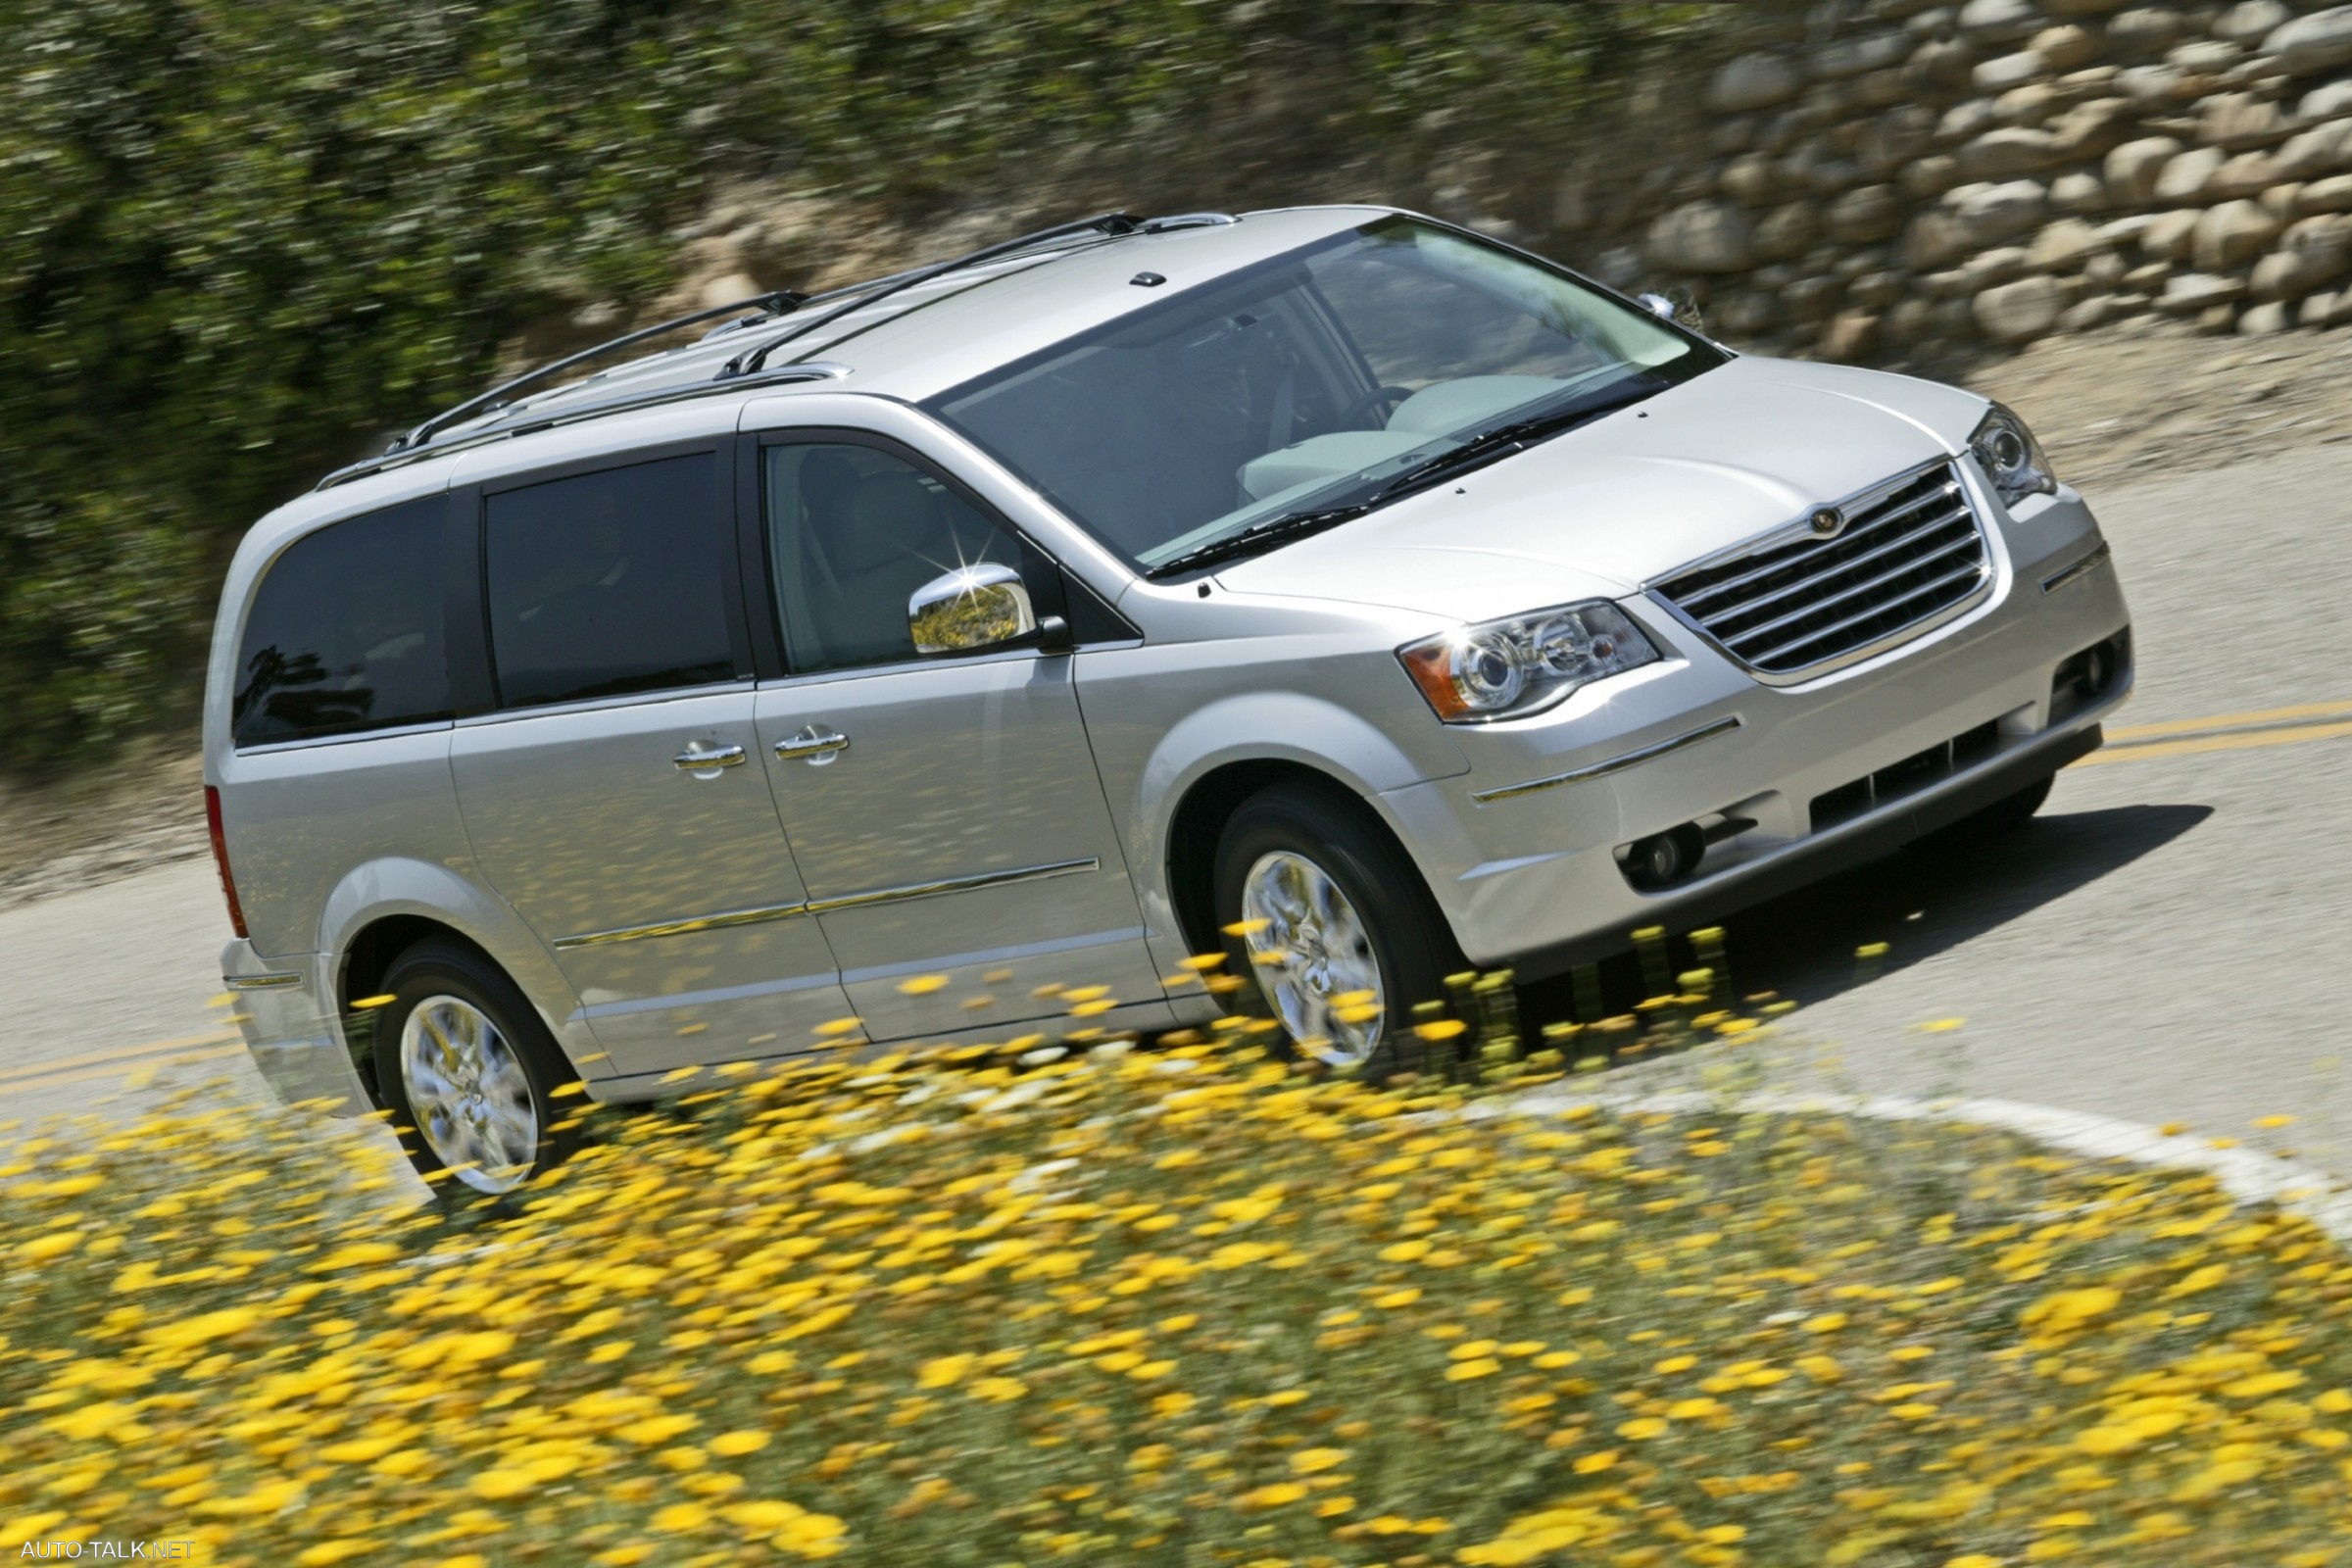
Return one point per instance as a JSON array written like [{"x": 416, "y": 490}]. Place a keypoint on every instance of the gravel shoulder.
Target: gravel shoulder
[
  {"x": 86, "y": 830},
  {"x": 2152, "y": 398}
]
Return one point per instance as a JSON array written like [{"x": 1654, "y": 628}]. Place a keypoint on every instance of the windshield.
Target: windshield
[{"x": 1321, "y": 380}]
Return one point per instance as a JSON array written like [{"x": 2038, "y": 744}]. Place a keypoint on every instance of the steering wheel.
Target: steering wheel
[{"x": 1372, "y": 399}]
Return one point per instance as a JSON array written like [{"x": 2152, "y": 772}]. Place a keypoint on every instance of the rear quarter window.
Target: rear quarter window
[
  {"x": 607, "y": 583},
  {"x": 347, "y": 631}
]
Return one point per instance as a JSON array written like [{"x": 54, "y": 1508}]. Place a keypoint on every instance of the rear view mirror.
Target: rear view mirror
[
  {"x": 981, "y": 605},
  {"x": 1676, "y": 305}
]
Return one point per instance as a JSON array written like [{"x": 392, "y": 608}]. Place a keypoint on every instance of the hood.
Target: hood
[{"x": 1594, "y": 514}]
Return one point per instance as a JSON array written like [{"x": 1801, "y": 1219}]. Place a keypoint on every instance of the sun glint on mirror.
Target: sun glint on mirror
[{"x": 980, "y": 606}]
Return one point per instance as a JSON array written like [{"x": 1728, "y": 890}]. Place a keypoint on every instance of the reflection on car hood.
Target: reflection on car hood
[{"x": 1599, "y": 511}]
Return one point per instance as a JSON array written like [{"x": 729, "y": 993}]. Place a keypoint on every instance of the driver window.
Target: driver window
[{"x": 853, "y": 532}]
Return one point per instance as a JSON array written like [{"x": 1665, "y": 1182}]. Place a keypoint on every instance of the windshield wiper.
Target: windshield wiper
[
  {"x": 1486, "y": 447},
  {"x": 1502, "y": 441},
  {"x": 1279, "y": 530}
]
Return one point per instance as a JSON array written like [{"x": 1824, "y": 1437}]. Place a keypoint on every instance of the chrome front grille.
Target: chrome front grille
[{"x": 1910, "y": 554}]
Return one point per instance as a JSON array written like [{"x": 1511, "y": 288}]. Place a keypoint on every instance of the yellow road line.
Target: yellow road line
[
  {"x": 128, "y": 1054},
  {"x": 2242, "y": 741},
  {"x": 121, "y": 1069},
  {"x": 2270, "y": 715}
]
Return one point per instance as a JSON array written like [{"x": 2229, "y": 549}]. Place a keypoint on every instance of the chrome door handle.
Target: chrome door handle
[
  {"x": 693, "y": 760},
  {"x": 814, "y": 745}
]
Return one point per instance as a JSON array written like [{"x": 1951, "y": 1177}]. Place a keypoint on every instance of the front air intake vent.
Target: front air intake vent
[{"x": 1843, "y": 585}]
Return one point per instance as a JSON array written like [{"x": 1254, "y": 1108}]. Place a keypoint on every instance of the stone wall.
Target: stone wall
[{"x": 1901, "y": 179}]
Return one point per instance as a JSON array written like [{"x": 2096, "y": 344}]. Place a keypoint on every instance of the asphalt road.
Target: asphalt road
[{"x": 2171, "y": 941}]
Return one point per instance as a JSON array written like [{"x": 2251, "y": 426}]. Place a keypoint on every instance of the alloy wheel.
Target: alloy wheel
[
  {"x": 468, "y": 1094},
  {"x": 1313, "y": 957}
]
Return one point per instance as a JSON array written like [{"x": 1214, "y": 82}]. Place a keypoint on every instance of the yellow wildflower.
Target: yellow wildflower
[
  {"x": 498, "y": 1482},
  {"x": 680, "y": 1518}
]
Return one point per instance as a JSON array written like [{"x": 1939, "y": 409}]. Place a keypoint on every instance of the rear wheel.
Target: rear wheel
[
  {"x": 1331, "y": 921},
  {"x": 468, "y": 1072}
]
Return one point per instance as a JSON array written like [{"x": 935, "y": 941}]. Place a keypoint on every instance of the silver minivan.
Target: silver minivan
[{"x": 955, "y": 655}]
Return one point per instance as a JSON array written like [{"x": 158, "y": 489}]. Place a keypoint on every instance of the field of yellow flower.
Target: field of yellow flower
[{"x": 1184, "y": 1306}]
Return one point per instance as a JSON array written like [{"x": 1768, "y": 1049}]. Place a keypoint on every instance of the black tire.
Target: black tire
[
  {"x": 1405, "y": 935},
  {"x": 2005, "y": 815},
  {"x": 437, "y": 971}
]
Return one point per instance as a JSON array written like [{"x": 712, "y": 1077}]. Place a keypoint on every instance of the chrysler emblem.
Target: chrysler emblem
[{"x": 1827, "y": 523}]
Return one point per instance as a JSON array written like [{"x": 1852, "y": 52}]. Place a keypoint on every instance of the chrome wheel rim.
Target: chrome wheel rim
[
  {"x": 467, "y": 1094},
  {"x": 1312, "y": 954}
]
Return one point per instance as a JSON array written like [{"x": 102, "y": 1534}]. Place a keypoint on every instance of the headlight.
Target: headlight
[
  {"x": 2009, "y": 455},
  {"x": 1510, "y": 669}
]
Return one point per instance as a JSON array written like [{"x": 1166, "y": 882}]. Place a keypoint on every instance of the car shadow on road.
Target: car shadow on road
[
  {"x": 1920, "y": 902},
  {"x": 1935, "y": 896}
]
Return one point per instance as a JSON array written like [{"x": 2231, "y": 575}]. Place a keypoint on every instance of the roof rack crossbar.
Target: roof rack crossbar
[
  {"x": 1110, "y": 224},
  {"x": 776, "y": 301}
]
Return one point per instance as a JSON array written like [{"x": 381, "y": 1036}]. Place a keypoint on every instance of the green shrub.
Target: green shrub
[
  {"x": 242, "y": 241},
  {"x": 238, "y": 240}
]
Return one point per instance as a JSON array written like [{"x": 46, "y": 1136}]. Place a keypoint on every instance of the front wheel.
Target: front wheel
[
  {"x": 1334, "y": 923},
  {"x": 468, "y": 1072}
]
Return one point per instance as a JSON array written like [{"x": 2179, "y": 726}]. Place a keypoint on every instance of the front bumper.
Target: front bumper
[
  {"x": 295, "y": 1038},
  {"x": 1529, "y": 878},
  {"x": 1856, "y": 842}
]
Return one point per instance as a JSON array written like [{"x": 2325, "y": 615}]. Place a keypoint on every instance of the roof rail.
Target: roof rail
[
  {"x": 1176, "y": 221},
  {"x": 777, "y": 302},
  {"x": 571, "y": 411},
  {"x": 1112, "y": 225}
]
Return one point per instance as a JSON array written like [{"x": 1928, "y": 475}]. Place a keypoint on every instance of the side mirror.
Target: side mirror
[
  {"x": 981, "y": 605},
  {"x": 1676, "y": 305}
]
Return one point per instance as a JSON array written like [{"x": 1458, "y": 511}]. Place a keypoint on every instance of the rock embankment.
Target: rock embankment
[{"x": 1915, "y": 178}]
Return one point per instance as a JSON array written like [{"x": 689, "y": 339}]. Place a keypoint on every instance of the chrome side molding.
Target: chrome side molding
[
  {"x": 1615, "y": 765},
  {"x": 259, "y": 982},
  {"x": 679, "y": 928},
  {"x": 844, "y": 901},
  {"x": 953, "y": 884}
]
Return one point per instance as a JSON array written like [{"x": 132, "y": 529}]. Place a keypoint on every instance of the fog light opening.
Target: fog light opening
[
  {"x": 2084, "y": 677},
  {"x": 1665, "y": 859}
]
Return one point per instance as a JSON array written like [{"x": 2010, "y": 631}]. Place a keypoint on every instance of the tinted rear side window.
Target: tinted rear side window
[
  {"x": 345, "y": 632},
  {"x": 607, "y": 583}
]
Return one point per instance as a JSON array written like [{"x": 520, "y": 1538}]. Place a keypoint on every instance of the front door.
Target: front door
[
  {"x": 945, "y": 810},
  {"x": 614, "y": 798}
]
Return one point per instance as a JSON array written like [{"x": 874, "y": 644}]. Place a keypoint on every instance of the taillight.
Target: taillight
[{"x": 228, "y": 882}]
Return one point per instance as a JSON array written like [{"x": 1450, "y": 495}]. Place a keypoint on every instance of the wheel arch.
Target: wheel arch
[
  {"x": 367, "y": 957},
  {"x": 383, "y": 908},
  {"x": 1209, "y": 803},
  {"x": 366, "y": 963}
]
